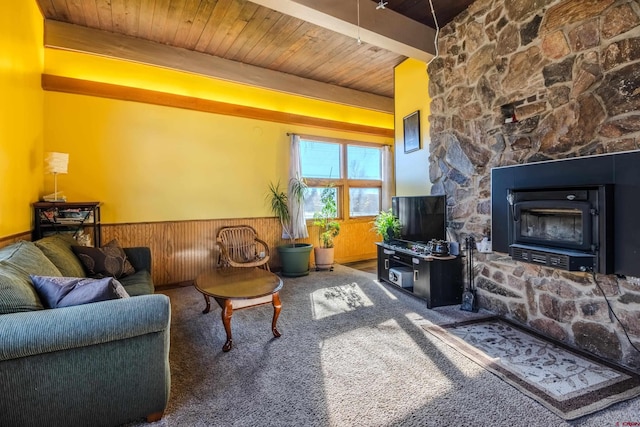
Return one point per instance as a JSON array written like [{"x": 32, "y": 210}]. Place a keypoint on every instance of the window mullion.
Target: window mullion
[{"x": 345, "y": 182}]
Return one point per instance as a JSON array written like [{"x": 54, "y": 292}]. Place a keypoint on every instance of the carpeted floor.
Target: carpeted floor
[{"x": 352, "y": 353}]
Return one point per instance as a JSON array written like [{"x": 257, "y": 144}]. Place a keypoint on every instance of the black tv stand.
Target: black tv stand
[{"x": 437, "y": 280}]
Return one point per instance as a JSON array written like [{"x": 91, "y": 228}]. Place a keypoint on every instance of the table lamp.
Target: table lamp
[{"x": 56, "y": 163}]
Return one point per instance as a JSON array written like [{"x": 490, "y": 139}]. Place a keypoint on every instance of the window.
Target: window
[{"x": 354, "y": 169}]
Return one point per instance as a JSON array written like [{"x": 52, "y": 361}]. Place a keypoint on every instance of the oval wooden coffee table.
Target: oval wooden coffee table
[{"x": 236, "y": 288}]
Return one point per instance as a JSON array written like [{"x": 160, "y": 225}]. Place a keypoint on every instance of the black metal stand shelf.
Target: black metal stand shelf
[{"x": 67, "y": 217}]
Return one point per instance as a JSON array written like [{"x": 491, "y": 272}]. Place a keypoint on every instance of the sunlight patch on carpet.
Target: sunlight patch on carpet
[
  {"x": 337, "y": 300},
  {"x": 357, "y": 363}
]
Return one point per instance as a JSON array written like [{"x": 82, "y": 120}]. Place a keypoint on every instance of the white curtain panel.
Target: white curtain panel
[
  {"x": 298, "y": 224},
  {"x": 387, "y": 178}
]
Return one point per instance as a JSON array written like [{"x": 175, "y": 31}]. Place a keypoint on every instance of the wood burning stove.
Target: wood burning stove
[
  {"x": 618, "y": 247},
  {"x": 567, "y": 228}
]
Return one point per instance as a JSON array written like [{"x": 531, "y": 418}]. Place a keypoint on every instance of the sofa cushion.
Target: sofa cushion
[
  {"x": 16, "y": 292},
  {"x": 29, "y": 258},
  {"x": 139, "y": 283},
  {"x": 58, "y": 249},
  {"x": 109, "y": 260},
  {"x": 58, "y": 292}
]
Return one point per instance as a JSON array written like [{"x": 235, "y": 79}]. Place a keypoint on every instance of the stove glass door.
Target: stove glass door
[{"x": 563, "y": 224}]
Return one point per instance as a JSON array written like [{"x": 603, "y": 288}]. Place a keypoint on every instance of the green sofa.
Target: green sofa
[{"x": 98, "y": 364}]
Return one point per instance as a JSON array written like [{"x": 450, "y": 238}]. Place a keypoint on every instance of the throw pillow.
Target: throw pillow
[
  {"x": 29, "y": 258},
  {"x": 107, "y": 261},
  {"x": 58, "y": 249},
  {"x": 16, "y": 292},
  {"x": 58, "y": 292}
]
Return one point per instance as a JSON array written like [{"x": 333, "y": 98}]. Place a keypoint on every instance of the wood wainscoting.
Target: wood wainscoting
[
  {"x": 6, "y": 241},
  {"x": 182, "y": 249}
]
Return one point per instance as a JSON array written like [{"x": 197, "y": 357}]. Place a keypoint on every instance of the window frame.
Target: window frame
[{"x": 343, "y": 184}]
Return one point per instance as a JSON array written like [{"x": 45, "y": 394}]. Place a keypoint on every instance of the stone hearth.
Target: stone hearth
[{"x": 529, "y": 80}]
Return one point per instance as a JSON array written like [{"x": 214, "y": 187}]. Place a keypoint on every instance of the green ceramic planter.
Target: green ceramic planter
[{"x": 295, "y": 259}]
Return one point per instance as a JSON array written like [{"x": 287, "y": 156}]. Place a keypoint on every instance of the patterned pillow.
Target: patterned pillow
[
  {"x": 107, "y": 261},
  {"x": 58, "y": 292}
]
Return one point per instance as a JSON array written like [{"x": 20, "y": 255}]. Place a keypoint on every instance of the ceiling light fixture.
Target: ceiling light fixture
[{"x": 381, "y": 5}]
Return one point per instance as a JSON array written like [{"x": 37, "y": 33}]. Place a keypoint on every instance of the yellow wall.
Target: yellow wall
[
  {"x": 411, "y": 94},
  {"x": 155, "y": 163},
  {"x": 21, "y": 58}
]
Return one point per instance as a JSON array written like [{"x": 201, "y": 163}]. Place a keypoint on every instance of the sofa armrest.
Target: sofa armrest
[
  {"x": 139, "y": 257},
  {"x": 45, "y": 331}
]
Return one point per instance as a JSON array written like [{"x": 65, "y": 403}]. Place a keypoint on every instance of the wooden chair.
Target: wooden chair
[{"x": 240, "y": 246}]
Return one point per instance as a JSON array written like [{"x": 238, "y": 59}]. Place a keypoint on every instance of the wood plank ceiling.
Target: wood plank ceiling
[{"x": 247, "y": 33}]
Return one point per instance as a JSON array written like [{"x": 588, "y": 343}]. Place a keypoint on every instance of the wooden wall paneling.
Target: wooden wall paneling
[
  {"x": 356, "y": 241},
  {"x": 183, "y": 249},
  {"x": 8, "y": 240},
  {"x": 180, "y": 250}
]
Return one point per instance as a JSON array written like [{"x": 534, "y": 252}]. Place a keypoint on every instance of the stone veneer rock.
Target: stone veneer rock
[{"x": 569, "y": 71}]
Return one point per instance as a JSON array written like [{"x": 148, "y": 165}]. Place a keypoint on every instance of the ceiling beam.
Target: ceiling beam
[
  {"x": 60, "y": 35},
  {"x": 381, "y": 27},
  {"x": 126, "y": 93}
]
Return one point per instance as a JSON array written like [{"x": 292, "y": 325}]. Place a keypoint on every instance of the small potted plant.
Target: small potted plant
[
  {"x": 294, "y": 256},
  {"x": 387, "y": 225},
  {"x": 329, "y": 228}
]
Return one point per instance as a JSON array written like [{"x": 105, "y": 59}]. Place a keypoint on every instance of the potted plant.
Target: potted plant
[
  {"x": 294, "y": 256},
  {"x": 329, "y": 228},
  {"x": 387, "y": 225}
]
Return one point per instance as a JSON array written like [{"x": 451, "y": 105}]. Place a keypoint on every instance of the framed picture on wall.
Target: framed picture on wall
[{"x": 412, "y": 132}]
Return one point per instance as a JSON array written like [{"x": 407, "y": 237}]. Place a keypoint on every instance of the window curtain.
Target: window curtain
[
  {"x": 388, "y": 181},
  {"x": 298, "y": 224}
]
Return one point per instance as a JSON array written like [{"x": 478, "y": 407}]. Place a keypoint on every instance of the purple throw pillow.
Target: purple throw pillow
[{"x": 55, "y": 292}]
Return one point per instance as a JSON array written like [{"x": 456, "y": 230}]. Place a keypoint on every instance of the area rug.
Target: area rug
[{"x": 566, "y": 382}]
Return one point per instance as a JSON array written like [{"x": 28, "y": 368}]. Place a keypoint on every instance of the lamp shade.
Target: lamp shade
[{"x": 57, "y": 162}]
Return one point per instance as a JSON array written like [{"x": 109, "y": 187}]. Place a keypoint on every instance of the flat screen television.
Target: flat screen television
[{"x": 422, "y": 217}]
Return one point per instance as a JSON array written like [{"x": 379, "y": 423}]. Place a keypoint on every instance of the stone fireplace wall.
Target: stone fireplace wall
[{"x": 523, "y": 81}]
